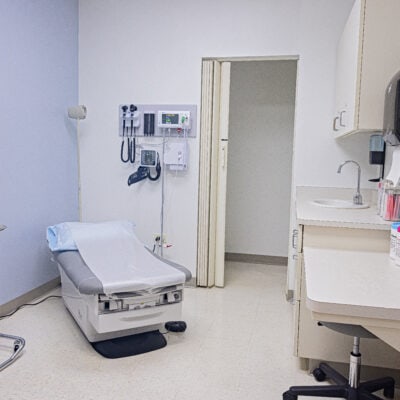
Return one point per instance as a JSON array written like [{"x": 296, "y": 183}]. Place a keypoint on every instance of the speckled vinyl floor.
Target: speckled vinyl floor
[{"x": 238, "y": 345}]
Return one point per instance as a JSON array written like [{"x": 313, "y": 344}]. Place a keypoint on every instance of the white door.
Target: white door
[
  {"x": 215, "y": 109},
  {"x": 212, "y": 179},
  {"x": 222, "y": 174}
]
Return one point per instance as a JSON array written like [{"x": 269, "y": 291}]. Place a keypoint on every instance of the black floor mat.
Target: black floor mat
[{"x": 130, "y": 345}]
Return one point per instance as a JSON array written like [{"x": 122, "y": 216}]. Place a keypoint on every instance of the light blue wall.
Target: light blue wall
[{"x": 38, "y": 167}]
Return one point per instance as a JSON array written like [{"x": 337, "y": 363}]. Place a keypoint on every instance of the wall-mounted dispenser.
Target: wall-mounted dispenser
[
  {"x": 391, "y": 118},
  {"x": 377, "y": 154}
]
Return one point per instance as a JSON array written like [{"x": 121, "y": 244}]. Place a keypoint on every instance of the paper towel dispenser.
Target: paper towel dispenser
[{"x": 391, "y": 118}]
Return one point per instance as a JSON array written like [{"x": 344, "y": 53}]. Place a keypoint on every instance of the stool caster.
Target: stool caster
[
  {"x": 289, "y": 396},
  {"x": 319, "y": 375},
  {"x": 389, "y": 392}
]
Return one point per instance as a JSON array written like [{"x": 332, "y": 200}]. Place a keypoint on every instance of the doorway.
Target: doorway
[{"x": 244, "y": 194}]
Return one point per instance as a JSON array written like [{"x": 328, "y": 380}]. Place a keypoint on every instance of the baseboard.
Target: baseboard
[
  {"x": 6, "y": 308},
  {"x": 256, "y": 259}
]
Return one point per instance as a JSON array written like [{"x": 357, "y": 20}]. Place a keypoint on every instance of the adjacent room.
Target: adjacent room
[{"x": 199, "y": 199}]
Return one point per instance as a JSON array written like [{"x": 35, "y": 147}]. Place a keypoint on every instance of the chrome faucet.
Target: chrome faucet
[{"x": 357, "y": 198}]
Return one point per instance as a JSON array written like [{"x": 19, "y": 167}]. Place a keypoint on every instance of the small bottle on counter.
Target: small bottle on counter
[
  {"x": 397, "y": 250},
  {"x": 393, "y": 239}
]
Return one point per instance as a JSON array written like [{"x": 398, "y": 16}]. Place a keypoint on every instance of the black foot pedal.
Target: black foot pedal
[
  {"x": 132, "y": 345},
  {"x": 176, "y": 326}
]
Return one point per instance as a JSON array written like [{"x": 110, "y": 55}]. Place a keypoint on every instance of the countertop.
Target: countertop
[
  {"x": 355, "y": 287},
  {"x": 354, "y": 283},
  {"x": 311, "y": 214}
]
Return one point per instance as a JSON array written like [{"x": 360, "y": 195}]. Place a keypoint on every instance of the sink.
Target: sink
[{"x": 337, "y": 203}]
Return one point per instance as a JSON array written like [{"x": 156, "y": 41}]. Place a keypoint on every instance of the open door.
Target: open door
[
  {"x": 215, "y": 110},
  {"x": 212, "y": 179},
  {"x": 222, "y": 174}
]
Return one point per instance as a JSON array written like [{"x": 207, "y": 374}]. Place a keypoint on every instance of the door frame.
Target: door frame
[{"x": 214, "y": 129}]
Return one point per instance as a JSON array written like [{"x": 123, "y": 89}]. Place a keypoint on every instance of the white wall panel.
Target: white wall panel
[
  {"x": 150, "y": 52},
  {"x": 38, "y": 174}
]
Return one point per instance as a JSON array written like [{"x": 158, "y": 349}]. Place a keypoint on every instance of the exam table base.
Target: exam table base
[
  {"x": 130, "y": 345},
  {"x": 342, "y": 388},
  {"x": 100, "y": 327}
]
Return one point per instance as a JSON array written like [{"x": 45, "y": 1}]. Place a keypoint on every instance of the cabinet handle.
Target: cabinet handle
[
  {"x": 334, "y": 124},
  {"x": 295, "y": 234},
  {"x": 341, "y": 118}
]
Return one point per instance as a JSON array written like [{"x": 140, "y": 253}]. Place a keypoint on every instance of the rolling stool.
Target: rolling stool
[{"x": 351, "y": 388}]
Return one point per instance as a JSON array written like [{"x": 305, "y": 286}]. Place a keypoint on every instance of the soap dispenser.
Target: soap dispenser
[{"x": 377, "y": 153}]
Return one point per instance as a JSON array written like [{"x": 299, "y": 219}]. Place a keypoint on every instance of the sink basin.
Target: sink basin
[{"x": 336, "y": 203}]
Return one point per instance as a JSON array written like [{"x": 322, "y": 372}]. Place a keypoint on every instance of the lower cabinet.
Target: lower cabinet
[{"x": 318, "y": 342}]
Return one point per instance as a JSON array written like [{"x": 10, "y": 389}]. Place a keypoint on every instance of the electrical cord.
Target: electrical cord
[
  {"x": 158, "y": 170},
  {"x": 28, "y": 304}
]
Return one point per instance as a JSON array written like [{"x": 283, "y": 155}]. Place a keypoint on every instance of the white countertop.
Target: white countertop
[
  {"x": 312, "y": 214},
  {"x": 353, "y": 283}
]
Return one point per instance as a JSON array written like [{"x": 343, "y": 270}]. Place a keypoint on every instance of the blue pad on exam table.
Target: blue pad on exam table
[{"x": 60, "y": 237}]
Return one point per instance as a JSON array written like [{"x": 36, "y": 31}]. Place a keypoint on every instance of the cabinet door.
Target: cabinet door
[
  {"x": 380, "y": 61},
  {"x": 348, "y": 72},
  {"x": 368, "y": 56}
]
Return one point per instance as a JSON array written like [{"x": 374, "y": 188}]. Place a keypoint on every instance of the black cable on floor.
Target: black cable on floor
[{"x": 29, "y": 304}]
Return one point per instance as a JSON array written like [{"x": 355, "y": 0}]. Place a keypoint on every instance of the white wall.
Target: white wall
[
  {"x": 150, "y": 52},
  {"x": 317, "y": 155},
  {"x": 261, "y": 119}
]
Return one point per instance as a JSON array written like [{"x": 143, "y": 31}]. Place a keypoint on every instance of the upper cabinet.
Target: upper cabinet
[{"x": 368, "y": 56}]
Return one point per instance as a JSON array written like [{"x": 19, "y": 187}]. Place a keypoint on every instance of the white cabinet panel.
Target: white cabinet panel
[{"x": 368, "y": 56}]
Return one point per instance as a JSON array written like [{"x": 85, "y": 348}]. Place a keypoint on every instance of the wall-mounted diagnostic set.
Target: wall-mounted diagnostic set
[
  {"x": 140, "y": 120},
  {"x": 138, "y": 124},
  {"x": 155, "y": 139}
]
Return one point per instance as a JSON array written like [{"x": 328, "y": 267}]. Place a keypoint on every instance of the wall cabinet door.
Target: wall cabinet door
[
  {"x": 348, "y": 72},
  {"x": 368, "y": 56}
]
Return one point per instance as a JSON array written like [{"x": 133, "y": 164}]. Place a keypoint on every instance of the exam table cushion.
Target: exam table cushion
[
  {"x": 75, "y": 268},
  {"x": 188, "y": 274},
  {"x": 114, "y": 256},
  {"x": 83, "y": 278}
]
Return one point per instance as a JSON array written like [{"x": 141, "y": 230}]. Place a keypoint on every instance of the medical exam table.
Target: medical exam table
[{"x": 115, "y": 287}]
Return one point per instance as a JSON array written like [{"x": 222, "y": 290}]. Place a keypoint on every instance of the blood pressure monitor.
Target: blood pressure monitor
[{"x": 148, "y": 158}]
